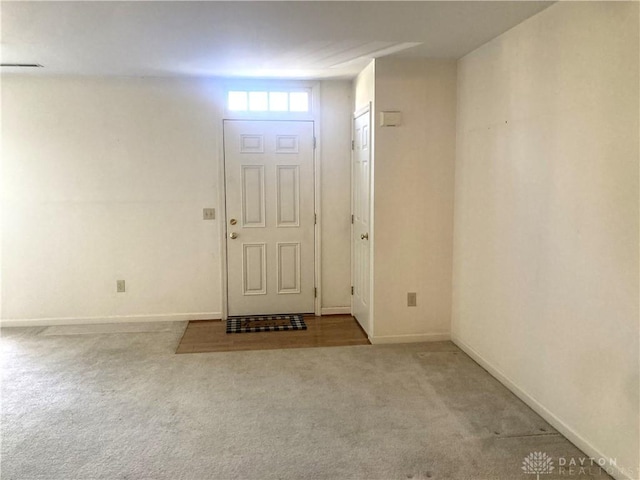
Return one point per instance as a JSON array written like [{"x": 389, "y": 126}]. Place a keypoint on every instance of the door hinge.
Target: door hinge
[
  {"x": 351, "y": 289},
  {"x": 353, "y": 144},
  {"x": 352, "y": 219},
  {"x": 315, "y": 218},
  {"x": 314, "y": 143},
  {"x": 315, "y": 292}
]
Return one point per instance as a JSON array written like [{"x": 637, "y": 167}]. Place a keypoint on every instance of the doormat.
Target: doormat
[{"x": 265, "y": 323}]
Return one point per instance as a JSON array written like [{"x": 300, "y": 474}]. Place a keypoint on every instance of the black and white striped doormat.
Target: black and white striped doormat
[{"x": 265, "y": 323}]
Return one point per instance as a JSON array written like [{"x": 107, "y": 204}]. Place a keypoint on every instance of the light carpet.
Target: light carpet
[
  {"x": 107, "y": 328},
  {"x": 124, "y": 406}
]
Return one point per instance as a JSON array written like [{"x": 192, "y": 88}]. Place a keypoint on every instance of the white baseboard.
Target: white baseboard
[
  {"x": 335, "y": 311},
  {"x": 170, "y": 317},
  {"x": 616, "y": 471},
  {"x": 412, "y": 338}
]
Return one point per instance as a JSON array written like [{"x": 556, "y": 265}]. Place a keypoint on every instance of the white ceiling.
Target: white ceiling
[{"x": 294, "y": 39}]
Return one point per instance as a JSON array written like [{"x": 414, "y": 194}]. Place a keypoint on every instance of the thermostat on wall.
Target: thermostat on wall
[{"x": 390, "y": 119}]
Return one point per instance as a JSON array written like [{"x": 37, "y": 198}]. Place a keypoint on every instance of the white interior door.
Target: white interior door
[
  {"x": 361, "y": 200},
  {"x": 269, "y": 180}
]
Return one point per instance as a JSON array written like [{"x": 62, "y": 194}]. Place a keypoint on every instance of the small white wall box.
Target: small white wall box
[{"x": 390, "y": 119}]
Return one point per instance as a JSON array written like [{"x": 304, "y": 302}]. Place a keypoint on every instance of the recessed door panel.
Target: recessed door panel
[
  {"x": 251, "y": 144},
  {"x": 253, "y": 201},
  {"x": 254, "y": 269},
  {"x": 287, "y": 144},
  {"x": 288, "y": 196},
  {"x": 288, "y": 268}
]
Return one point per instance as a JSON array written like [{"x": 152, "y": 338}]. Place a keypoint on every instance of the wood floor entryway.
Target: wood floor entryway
[{"x": 203, "y": 336}]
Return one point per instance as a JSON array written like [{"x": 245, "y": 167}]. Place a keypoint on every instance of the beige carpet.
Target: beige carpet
[
  {"x": 124, "y": 406},
  {"x": 107, "y": 328}
]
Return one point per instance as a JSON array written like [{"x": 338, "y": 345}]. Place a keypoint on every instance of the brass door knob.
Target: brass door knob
[
  {"x": 233, "y": 235},
  {"x": 364, "y": 236}
]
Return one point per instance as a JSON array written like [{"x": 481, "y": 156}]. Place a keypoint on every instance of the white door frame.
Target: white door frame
[{"x": 314, "y": 116}]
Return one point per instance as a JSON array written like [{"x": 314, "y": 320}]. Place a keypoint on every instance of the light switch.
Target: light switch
[
  {"x": 411, "y": 299},
  {"x": 208, "y": 213}
]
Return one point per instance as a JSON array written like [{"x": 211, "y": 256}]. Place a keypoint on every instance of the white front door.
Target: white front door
[
  {"x": 269, "y": 180},
  {"x": 361, "y": 178}
]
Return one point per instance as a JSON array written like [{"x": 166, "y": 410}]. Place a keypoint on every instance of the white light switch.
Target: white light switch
[
  {"x": 411, "y": 299},
  {"x": 208, "y": 213}
]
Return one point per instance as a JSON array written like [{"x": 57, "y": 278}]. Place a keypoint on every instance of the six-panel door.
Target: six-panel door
[
  {"x": 360, "y": 248},
  {"x": 269, "y": 180}
]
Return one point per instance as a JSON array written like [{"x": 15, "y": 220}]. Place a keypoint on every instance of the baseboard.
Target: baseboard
[
  {"x": 170, "y": 317},
  {"x": 335, "y": 311},
  {"x": 412, "y": 338},
  {"x": 574, "y": 437}
]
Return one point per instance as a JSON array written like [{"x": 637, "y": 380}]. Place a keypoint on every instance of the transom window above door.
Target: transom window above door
[{"x": 281, "y": 101}]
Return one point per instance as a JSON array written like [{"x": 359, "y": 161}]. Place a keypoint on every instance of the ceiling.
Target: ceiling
[{"x": 292, "y": 39}]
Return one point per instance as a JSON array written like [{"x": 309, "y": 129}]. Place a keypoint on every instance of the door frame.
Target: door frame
[{"x": 314, "y": 116}]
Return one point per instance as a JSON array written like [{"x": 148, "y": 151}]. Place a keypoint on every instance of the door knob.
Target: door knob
[
  {"x": 364, "y": 236},
  {"x": 233, "y": 235}
]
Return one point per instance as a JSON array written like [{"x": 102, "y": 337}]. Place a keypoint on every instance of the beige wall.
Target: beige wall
[
  {"x": 413, "y": 199},
  {"x": 336, "y": 196},
  {"x": 364, "y": 87},
  {"x": 105, "y": 179},
  {"x": 546, "y": 219}
]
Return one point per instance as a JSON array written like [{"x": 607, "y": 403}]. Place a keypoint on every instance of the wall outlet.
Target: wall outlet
[
  {"x": 411, "y": 299},
  {"x": 120, "y": 286},
  {"x": 208, "y": 213}
]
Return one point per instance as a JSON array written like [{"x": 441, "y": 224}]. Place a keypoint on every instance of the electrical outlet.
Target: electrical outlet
[
  {"x": 208, "y": 213},
  {"x": 120, "y": 288},
  {"x": 411, "y": 299}
]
